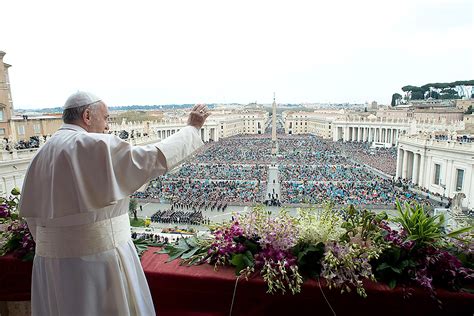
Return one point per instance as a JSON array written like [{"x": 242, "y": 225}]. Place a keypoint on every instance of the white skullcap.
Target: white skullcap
[{"x": 80, "y": 98}]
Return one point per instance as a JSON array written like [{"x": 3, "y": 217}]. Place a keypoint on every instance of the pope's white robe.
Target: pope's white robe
[{"x": 75, "y": 201}]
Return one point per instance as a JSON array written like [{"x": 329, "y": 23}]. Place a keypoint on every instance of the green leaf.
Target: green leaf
[
  {"x": 396, "y": 270},
  {"x": 252, "y": 246},
  {"x": 383, "y": 266},
  {"x": 190, "y": 253},
  {"x": 392, "y": 284},
  {"x": 460, "y": 231},
  {"x": 175, "y": 253},
  {"x": 242, "y": 261},
  {"x": 238, "y": 261}
]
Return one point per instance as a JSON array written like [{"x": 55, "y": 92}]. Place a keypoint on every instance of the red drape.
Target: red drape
[{"x": 199, "y": 290}]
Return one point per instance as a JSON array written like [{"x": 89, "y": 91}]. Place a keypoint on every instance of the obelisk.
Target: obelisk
[
  {"x": 273, "y": 186},
  {"x": 274, "y": 133}
]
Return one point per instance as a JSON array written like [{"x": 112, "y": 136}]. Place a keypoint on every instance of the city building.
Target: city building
[
  {"x": 318, "y": 122},
  {"x": 439, "y": 162},
  {"x": 385, "y": 130},
  {"x": 464, "y": 104},
  {"x": 6, "y": 104},
  {"x": 422, "y": 114},
  {"x": 24, "y": 127}
]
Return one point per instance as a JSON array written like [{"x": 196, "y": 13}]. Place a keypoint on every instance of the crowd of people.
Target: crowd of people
[
  {"x": 157, "y": 238},
  {"x": 379, "y": 192},
  {"x": 318, "y": 173},
  {"x": 179, "y": 217},
  {"x": 243, "y": 150},
  {"x": 220, "y": 171},
  {"x": 311, "y": 170},
  {"x": 383, "y": 159},
  {"x": 225, "y": 191},
  {"x": 198, "y": 204}
]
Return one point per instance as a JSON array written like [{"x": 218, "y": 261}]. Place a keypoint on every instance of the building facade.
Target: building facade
[
  {"x": 464, "y": 104},
  {"x": 369, "y": 129},
  {"x": 318, "y": 122},
  {"x": 24, "y": 127},
  {"x": 440, "y": 164},
  {"x": 384, "y": 130},
  {"x": 6, "y": 104},
  {"x": 220, "y": 124}
]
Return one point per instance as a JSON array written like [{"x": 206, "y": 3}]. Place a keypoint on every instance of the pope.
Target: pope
[{"x": 75, "y": 200}]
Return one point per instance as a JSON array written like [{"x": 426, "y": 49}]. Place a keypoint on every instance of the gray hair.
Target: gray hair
[{"x": 71, "y": 115}]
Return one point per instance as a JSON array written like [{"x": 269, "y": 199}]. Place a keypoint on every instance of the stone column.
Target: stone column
[
  {"x": 421, "y": 177},
  {"x": 448, "y": 178},
  {"x": 405, "y": 164},
  {"x": 415, "y": 168},
  {"x": 398, "y": 173}
]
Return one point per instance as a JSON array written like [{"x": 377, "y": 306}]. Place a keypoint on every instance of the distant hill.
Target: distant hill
[{"x": 123, "y": 108}]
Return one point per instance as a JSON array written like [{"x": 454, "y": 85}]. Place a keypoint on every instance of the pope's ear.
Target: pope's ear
[{"x": 86, "y": 116}]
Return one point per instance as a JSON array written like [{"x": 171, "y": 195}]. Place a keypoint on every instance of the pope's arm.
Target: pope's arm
[
  {"x": 136, "y": 165},
  {"x": 174, "y": 149}
]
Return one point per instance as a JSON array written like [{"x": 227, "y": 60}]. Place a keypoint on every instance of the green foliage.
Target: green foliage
[
  {"x": 132, "y": 207},
  {"x": 191, "y": 250},
  {"x": 392, "y": 265},
  {"x": 139, "y": 222},
  {"x": 363, "y": 225},
  {"x": 417, "y": 95},
  {"x": 396, "y": 97},
  {"x": 419, "y": 225},
  {"x": 242, "y": 261},
  {"x": 141, "y": 245},
  {"x": 439, "y": 90},
  {"x": 309, "y": 257}
]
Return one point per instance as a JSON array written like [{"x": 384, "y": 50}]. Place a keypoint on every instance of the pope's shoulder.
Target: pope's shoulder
[{"x": 70, "y": 141}]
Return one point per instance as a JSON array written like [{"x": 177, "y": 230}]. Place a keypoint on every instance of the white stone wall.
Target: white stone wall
[{"x": 418, "y": 155}]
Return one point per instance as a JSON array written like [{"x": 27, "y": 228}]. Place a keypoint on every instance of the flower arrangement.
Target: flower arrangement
[
  {"x": 15, "y": 236},
  {"x": 345, "y": 248}
]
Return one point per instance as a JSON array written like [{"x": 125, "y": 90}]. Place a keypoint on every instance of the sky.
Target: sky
[{"x": 174, "y": 52}]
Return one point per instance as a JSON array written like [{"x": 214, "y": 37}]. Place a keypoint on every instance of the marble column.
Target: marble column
[
  {"x": 421, "y": 179},
  {"x": 405, "y": 164},
  {"x": 416, "y": 161},
  {"x": 398, "y": 173}
]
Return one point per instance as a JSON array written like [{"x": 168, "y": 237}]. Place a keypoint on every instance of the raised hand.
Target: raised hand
[{"x": 198, "y": 115}]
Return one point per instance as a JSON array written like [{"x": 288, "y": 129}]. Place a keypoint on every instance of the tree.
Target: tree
[
  {"x": 469, "y": 110},
  {"x": 439, "y": 90},
  {"x": 396, "y": 98},
  {"x": 132, "y": 207},
  {"x": 417, "y": 95}
]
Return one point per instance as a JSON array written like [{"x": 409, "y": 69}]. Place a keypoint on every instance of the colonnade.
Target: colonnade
[
  {"x": 386, "y": 135},
  {"x": 207, "y": 134},
  {"x": 410, "y": 165}
]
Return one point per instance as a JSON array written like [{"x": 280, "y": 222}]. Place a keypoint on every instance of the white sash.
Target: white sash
[{"x": 82, "y": 240}]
